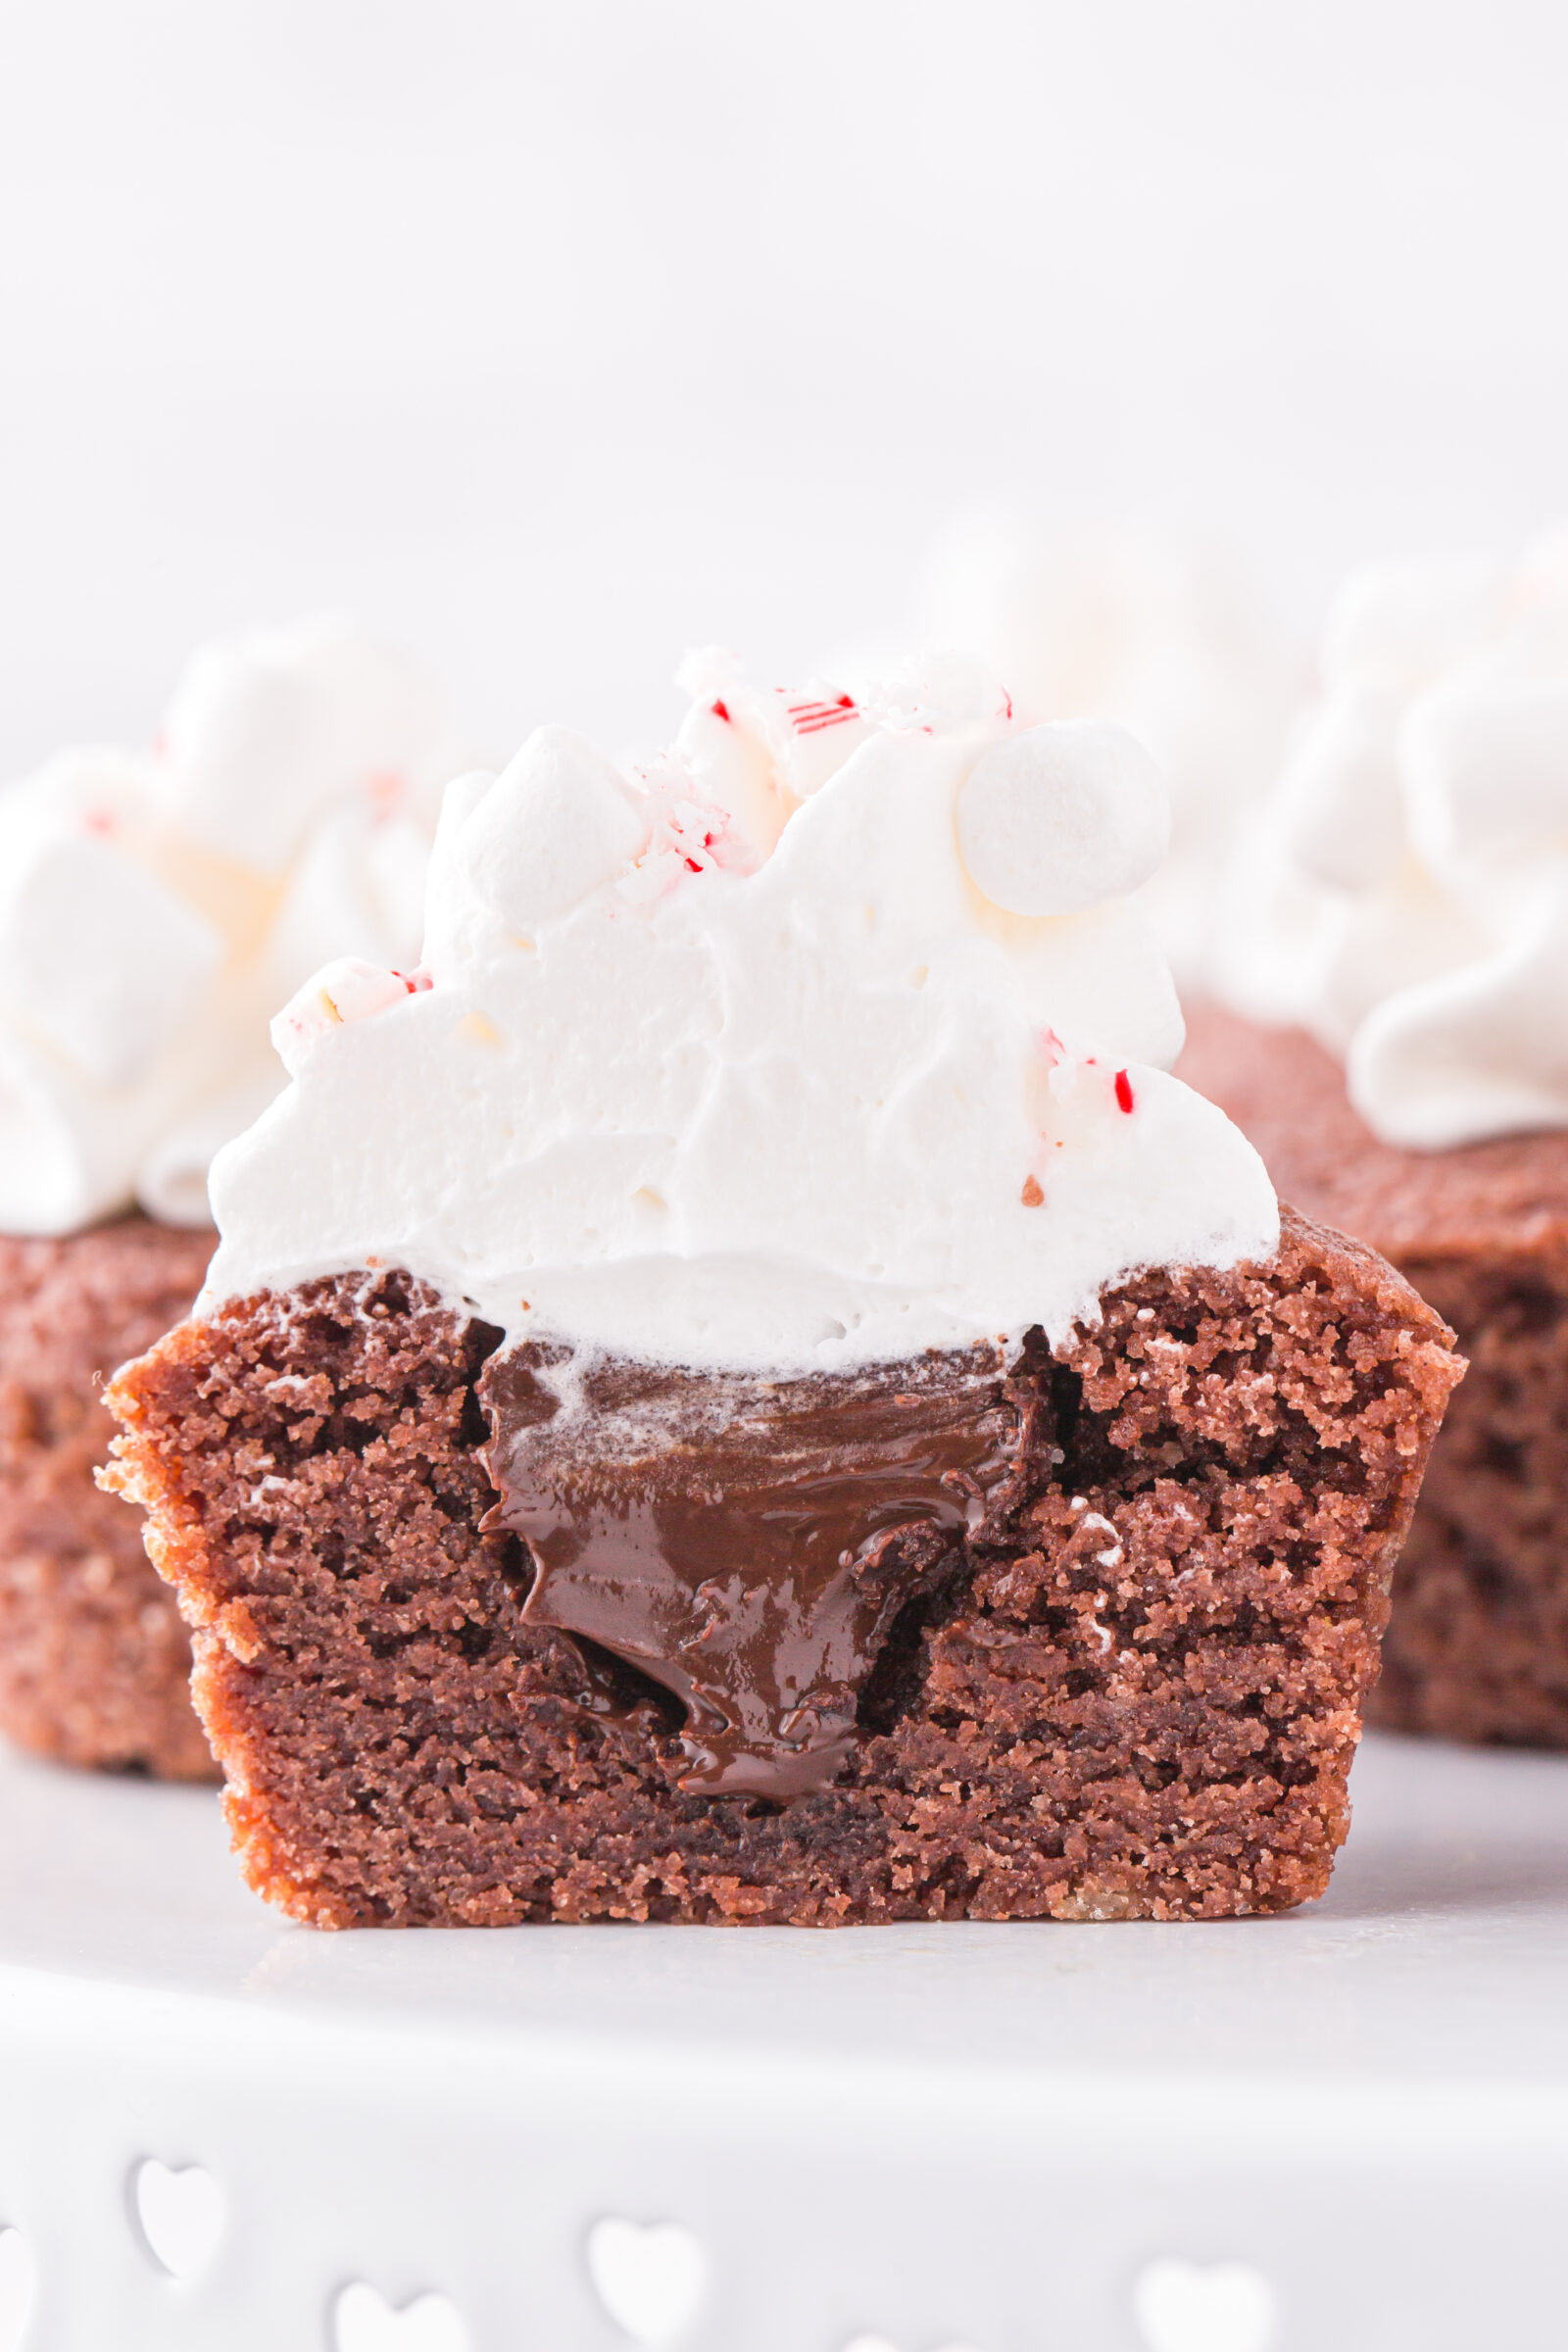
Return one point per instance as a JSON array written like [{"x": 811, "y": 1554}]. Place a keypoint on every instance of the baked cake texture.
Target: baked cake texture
[
  {"x": 1478, "y": 1645},
  {"x": 94, "y": 1657},
  {"x": 1123, "y": 1680}
]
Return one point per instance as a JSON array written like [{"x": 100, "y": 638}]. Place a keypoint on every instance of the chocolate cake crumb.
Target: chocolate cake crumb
[
  {"x": 1477, "y": 1648},
  {"x": 1131, "y": 1690},
  {"x": 94, "y": 1658}
]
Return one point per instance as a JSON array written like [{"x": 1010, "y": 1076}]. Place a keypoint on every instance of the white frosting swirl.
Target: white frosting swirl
[
  {"x": 155, "y": 909},
  {"x": 1405, "y": 894},
  {"x": 731, "y": 1062}
]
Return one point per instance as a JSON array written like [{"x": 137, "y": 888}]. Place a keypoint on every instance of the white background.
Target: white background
[{"x": 557, "y": 337}]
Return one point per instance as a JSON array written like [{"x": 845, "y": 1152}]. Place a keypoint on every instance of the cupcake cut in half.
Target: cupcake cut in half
[{"x": 748, "y": 1392}]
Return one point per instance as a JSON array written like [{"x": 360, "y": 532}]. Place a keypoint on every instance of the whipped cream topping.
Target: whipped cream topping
[
  {"x": 155, "y": 907},
  {"x": 827, "y": 1038},
  {"x": 1405, "y": 893},
  {"x": 1152, "y": 634}
]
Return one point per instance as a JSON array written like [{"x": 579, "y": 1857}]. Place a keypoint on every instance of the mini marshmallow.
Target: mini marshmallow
[
  {"x": 329, "y": 909},
  {"x": 1393, "y": 626},
  {"x": 804, "y": 736},
  {"x": 1156, "y": 633},
  {"x": 99, "y": 957},
  {"x": 733, "y": 773},
  {"x": 156, "y": 907},
  {"x": 94, "y": 789},
  {"x": 264, "y": 731},
  {"x": 555, "y": 823},
  {"x": 251, "y": 749},
  {"x": 1062, "y": 816},
  {"x": 345, "y": 989},
  {"x": 815, "y": 731}
]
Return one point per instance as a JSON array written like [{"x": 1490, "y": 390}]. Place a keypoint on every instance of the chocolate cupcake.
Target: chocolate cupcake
[
  {"x": 1395, "y": 1043},
  {"x": 154, "y": 909},
  {"x": 741, "y": 1390}
]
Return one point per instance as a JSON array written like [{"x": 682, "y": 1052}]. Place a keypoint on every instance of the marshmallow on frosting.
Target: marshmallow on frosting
[
  {"x": 828, "y": 1037},
  {"x": 156, "y": 907},
  {"x": 1154, "y": 636},
  {"x": 1405, "y": 893}
]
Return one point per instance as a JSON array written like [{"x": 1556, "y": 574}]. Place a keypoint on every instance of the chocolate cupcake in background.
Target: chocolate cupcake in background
[
  {"x": 155, "y": 909},
  {"x": 748, "y": 1392},
  {"x": 1393, "y": 1038}
]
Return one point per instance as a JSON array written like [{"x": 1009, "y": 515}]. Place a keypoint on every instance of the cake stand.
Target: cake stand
[{"x": 1341, "y": 2130}]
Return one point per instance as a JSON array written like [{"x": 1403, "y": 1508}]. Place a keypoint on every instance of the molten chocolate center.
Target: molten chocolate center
[{"x": 746, "y": 1542}]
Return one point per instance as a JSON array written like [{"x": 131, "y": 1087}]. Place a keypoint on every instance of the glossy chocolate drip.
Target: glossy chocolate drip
[{"x": 746, "y": 1542}]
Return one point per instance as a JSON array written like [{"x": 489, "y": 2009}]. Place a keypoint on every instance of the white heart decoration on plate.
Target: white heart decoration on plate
[
  {"x": 181, "y": 2212},
  {"x": 1186, "y": 2307},
  {"x": 16, "y": 2288},
  {"x": 648, "y": 2278},
  {"x": 365, "y": 2322}
]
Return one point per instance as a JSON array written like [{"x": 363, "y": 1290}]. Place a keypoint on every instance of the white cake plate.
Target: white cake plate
[{"x": 1343, "y": 2130}]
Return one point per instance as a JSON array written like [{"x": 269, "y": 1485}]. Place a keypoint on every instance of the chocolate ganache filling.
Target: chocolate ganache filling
[{"x": 748, "y": 1542}]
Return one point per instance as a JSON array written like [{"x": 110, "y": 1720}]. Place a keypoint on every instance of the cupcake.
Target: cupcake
[
  {"x": 1395, "y": 1039},
  {"x": 742, "y": 1389},
  {"x": 154, "y": 910}
]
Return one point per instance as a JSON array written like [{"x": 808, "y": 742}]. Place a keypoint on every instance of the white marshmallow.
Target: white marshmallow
[
  {"x": 97, "y": 956},
  {"x": 94, "y": 789},
  {"x": 154, "y": 909},
  {"x": 1393, "y": 626},
  {"x": 1062, "y": 816},
  {"x": 330, "y": 907},
  {"x": 555, "y": 823},
  {"x": 264, "y": 731},
  {"x": 803, "y": 736},
  {"x": 733, "y": 773},
  {"x": 1153, "y": 633},
  {"x": 345, "y": 989}
]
